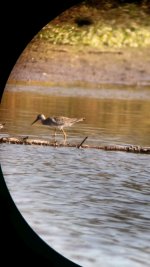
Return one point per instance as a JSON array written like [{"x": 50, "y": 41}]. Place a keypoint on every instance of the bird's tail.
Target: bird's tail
[{"x": 81, "y": 119}]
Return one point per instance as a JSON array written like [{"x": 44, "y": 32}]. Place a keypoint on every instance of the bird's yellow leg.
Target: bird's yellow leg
[
  {"x": 55, "y": 130},
  {"x": 65, "y": 136},
  {"x": 54, "y": 135}
]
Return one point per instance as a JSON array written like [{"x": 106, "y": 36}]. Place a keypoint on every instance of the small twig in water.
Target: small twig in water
[{"x": 82, "y": 142}]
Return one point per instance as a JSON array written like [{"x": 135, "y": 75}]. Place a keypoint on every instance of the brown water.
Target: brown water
[
  {"x": 112, "y": 116},
  {"x": 91, "y": 206}
]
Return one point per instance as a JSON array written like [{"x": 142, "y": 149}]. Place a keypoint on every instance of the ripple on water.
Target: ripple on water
[{"x": 92, "y": 206}]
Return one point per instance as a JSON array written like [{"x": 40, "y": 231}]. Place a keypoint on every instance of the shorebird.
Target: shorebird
[
  {"x": 2, "y": 125},
  {"x": 59, "y": 122}
]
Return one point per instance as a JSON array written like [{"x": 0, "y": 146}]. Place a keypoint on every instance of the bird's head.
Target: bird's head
[{"x": 40, "y": 117}]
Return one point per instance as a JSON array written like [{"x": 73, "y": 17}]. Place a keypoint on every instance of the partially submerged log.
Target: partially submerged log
[{"x": 29, "y": 141}]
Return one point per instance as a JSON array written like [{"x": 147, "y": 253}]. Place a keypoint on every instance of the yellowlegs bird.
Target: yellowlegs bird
[
  {"x": 57, "y": 122},
  {"x": 2, "y": 125}
]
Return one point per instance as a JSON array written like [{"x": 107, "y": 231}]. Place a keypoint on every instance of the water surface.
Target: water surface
[
  {"x": 111, "y": 116},
  {"x": 92, "y": 206}
]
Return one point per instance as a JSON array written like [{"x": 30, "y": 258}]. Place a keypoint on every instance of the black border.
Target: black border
[{"x": 20, "y": 21}]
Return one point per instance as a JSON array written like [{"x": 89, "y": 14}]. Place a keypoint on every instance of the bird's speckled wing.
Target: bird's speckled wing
[
  {"x": 61, "y": 121},
  {"x": 56, "y": 121},
  {"x": 51, "y": 121},
  {"x": 66, "y": 121}
]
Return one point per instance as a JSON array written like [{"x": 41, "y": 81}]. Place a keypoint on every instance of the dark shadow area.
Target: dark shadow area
[
  {"x": 19, "y": 243},
  {"x": 20, "y": 23}
]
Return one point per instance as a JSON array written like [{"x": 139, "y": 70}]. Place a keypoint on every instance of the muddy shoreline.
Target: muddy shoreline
[{"x": 63, "y": 64}]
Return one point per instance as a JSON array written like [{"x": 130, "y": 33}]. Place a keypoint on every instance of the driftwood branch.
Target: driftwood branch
[{"x": 28, "y": 141}]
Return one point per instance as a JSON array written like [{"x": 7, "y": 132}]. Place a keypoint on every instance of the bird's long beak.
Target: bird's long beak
[{"x": 34, "y": 121}]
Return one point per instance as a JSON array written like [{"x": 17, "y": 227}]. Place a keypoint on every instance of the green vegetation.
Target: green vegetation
[{"x": 100, "y": 26}]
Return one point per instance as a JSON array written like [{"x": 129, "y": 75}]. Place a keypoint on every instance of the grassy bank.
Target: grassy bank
[{"x": 101, "y": 27}]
